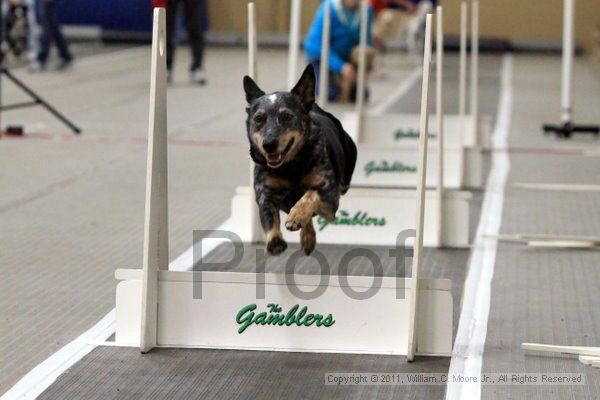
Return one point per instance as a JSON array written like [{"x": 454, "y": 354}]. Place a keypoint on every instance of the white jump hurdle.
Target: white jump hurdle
[{"x": 156, "y": 307}]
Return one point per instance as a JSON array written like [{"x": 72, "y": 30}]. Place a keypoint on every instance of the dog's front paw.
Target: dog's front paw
[
  {"x": 308, "y": 239},
  {"x": 276, "y": 246},
  {"x": 298, "y": 218}
]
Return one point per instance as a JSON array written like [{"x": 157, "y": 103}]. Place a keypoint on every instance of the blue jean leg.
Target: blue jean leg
[
  {"x": 333, "y": 89},
  {"x": 51, "y": 32}
]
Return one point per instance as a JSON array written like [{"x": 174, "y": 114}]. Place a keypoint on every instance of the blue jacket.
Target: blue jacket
[{"x": 344, "y": 33}]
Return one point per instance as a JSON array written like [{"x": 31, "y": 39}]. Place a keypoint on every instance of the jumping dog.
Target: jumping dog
[{"x": 303, "y": 158}]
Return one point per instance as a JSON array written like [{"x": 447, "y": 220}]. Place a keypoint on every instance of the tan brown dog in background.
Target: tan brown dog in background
[{"x": 346, "y": 84}]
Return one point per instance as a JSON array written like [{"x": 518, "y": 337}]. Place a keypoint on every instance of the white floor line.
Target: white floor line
[
  {"x": 472, "y": 327},
  {"x": 399, "y": 92},
  {"x": 44, "y": 374}
]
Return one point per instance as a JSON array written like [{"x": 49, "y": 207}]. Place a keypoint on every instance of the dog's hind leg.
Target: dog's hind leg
[
  {"x": 269, "y": 219},
  {"x": 308, "y": 238}
]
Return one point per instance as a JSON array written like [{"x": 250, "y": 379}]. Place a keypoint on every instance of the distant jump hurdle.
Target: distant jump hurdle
[{"x": 466, "y": 133}]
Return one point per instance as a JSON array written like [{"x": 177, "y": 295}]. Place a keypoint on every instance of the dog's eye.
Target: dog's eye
[
  {"x": 259, "y": 118},
  {"x": 285, "y": 117}
]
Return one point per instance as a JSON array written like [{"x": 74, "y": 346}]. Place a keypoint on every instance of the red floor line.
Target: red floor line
[
  {"x": 243, "y": 143},
  {"x": 122, "y": 139}
]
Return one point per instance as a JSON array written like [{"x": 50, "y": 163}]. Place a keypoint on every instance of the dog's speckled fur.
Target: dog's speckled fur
[{"x": 303, "y": 158}]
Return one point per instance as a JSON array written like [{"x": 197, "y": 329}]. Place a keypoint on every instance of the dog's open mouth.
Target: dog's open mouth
[{"x": 274, "y": 160}]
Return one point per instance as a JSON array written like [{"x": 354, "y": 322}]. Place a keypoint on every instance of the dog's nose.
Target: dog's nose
[{"x": 270, "y": 145}]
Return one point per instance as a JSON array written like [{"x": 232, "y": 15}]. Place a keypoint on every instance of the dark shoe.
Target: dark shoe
[
  {"x": 63, "y": 65},
  {"x": 197, "y": 77},
  {"x": 354, "y": 92},
  {"x": 36, "y": 66}
]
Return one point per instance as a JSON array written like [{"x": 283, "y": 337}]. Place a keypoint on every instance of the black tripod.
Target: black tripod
[
  {"x": 36, "y": 100},
  {"x": 567, "y": 129}
]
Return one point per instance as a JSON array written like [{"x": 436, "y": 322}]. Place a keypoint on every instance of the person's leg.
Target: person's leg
[
  {"x": 44, "y": 52},
  {"x": 33, "y": 34},
  {"x": 316, "y": 64},
  {"x": 195, "y": 35},
  {"x": 57, "y": 36},
  {"x": 333, "y": 90},
  {"x": 9, "y": 21},
  {"x": 172, "y": 6}
]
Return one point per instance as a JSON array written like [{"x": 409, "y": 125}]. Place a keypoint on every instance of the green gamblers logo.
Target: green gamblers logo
[
  {"x": 409, "y": 134},
  {"x": 275, "y": 316},
  {"x": 360, "y": 218},
  {"x": 388, "y": 167}
]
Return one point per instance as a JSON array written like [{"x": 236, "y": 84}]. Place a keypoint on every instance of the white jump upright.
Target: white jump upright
[
  {"x": 462, "y": 68},
  {"x": 156, "y": 226},
  {"x": 439, "y": 110},
  {"x": 362, "y": 69},
  {"x": 156, "y": 307},
  {"x": 421, "y": 188},
  {"x": 256, "y": 233},
  {"x": 324, "y": 65},
  {"x": 252, "y": 42},
  {"x": 474, "y": 103},
  {"x": 294, "y": 44}
]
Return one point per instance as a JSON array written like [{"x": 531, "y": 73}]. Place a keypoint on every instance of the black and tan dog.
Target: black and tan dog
[{"x": 303, "y": 158}]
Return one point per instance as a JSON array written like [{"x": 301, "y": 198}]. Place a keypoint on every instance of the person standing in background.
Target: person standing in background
[
  {"x": 51, "y": 32},
  {"x": 193, "y": 10}
]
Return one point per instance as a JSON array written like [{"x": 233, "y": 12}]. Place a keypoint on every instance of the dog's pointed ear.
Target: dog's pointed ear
[
  {"x": 252, "y": 90},
  {"x": 305, "y": 88}
]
